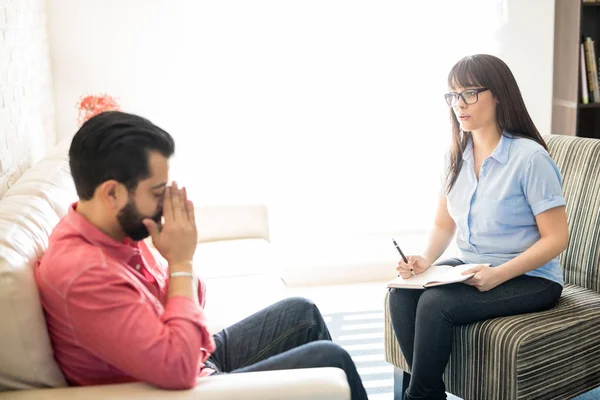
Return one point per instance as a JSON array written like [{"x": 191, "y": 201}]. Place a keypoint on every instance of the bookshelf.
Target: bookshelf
[{"x": 574, "y": 20}]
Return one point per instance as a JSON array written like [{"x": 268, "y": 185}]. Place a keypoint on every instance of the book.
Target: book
[
  {"x": 592, "y": 70},
  {"x": 588, "y": 68},
  {"x": 595, "y": 71},
  {"x": 435, "y": 275},
  {"x": 585, "y": 99}
]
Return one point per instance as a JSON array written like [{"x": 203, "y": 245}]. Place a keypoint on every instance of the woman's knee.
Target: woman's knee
[
  {"x": 436, "y": 301},
  {"x": 401, "y": 296},
  {"x": 402, "y": 301}
]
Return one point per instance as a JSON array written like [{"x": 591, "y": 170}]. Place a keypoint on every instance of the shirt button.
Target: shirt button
[{"x": 137, "y": 267}]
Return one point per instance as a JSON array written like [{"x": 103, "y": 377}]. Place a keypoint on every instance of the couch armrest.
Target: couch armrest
[
  {"x": 230, "y": 222},
  {"x": 299, "y": 384},
  {"x": 226, "y": 222}
]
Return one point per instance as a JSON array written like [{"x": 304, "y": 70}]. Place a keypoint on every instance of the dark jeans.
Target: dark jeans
[
  {"x": 289, "y": 334},
  {"x": 423, "y": 321}
]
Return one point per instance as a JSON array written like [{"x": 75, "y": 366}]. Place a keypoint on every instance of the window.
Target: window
[{"x": 330, "y": 112}]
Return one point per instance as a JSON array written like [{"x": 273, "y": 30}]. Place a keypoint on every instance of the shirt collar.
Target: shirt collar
[
  {"x": 502, "y": 150},
  {"x": 500, "y": 153},
  {"x": 468, "y": 152},
  {"x": 122, "y": 251}
]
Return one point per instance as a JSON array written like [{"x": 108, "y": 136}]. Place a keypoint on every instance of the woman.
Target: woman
[{"x": 502, "y": 197}]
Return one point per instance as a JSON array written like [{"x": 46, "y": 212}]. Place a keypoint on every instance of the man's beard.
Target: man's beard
[{"x": 130, "y": 220}]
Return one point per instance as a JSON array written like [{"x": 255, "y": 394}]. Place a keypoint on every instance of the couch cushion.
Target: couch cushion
[
  {"x": 550, "y": 354},
  {"x": 49, "y": 180},
  {"x": 28, "y": 213}
]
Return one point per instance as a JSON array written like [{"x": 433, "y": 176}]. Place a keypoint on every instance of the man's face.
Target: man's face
[
  {"x": 146, "y": 201},
  {"x": 130, "y": 219}
]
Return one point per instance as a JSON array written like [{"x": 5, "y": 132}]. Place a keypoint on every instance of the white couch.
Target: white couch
[{"x": 233, "y": 254}]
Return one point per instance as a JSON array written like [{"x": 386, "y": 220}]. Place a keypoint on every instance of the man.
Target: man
[{"x": 116, "y": 315}]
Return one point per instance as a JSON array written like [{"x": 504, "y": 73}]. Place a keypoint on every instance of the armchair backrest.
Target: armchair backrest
[{"x": 579, "y": 162}]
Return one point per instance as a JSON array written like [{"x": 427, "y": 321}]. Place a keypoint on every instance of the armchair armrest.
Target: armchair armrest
[{"x": 298, "y": 384}]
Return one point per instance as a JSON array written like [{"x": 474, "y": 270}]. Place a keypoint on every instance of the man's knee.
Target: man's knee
[
  {"x": 331, "y": 354},
  {"x": 305, "y": 310},
  {"x": 301, "y": 302},
  {"x": 300, "y": 306}
]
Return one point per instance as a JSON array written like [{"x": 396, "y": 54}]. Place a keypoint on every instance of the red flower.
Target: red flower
[{"x": 92, "y": 105}]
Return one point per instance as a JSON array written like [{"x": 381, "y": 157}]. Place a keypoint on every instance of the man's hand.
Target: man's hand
[
  {"x": 416, "y": 264},
  {"x": 176, "y": 242},
  {"x": 485, "y": 278}
]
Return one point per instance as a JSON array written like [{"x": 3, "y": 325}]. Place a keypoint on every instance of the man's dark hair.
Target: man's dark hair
[{"x": 115, "y": 145}]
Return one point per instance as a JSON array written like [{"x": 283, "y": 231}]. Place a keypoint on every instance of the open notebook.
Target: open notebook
[{"x": 435, "y": 275}]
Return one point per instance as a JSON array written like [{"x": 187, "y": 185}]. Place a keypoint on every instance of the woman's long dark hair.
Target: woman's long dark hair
[{"x": 483, "y": 70}]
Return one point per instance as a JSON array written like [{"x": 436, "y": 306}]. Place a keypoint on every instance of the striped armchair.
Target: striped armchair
[{"x": 553, "y": 354}]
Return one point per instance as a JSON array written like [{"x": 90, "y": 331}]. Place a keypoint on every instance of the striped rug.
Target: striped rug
[{"x": 361, "y": 334}]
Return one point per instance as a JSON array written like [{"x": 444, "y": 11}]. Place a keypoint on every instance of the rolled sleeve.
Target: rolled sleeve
[
  {"x": 112, "y": 319},
  {"x": 542, "y": 183},
  {"x": 181, "y": 307}
]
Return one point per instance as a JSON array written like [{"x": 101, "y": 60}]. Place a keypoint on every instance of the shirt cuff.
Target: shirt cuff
[{"x": 546, "y": 204}]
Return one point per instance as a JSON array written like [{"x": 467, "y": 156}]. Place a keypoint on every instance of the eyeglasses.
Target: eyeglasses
[{"x": 469, "y": 96}]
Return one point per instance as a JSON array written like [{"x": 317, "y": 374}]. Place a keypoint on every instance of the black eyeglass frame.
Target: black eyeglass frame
[{"x": 450, "y": 96}]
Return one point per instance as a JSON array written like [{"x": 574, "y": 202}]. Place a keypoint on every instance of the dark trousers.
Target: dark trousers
[
  {"x": 423, "y": 321},
  {"x": 289, "y": 334}
]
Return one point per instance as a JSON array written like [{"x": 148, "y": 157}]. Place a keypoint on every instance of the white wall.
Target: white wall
[
  {"x": 27, "y": 125},
  {"x": 527, "y": 46},
  {"x": 331, "y": 112}
]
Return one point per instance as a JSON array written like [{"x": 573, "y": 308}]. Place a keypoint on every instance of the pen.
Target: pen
[
  {"x": 403, "y": 258},
  {"x": 399, "y": 251}
]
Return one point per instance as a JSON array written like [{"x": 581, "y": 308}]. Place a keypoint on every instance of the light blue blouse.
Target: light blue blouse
[{"x": 495, "y": 216}]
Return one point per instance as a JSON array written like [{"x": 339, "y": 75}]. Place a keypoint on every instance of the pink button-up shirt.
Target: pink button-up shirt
[{"x": 107, "y": 311}]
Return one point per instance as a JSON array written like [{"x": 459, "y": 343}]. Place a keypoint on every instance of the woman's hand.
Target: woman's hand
[
  {"x": 416, "y": 264},
  {"x": 485, "y": 278}
]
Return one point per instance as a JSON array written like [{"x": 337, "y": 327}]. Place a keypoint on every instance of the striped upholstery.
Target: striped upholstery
[
  {"x": 579, "y": 163},
  {"x": 553, "y": 354}
]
